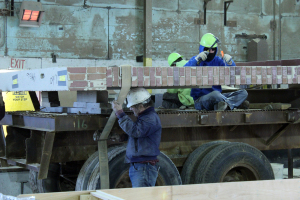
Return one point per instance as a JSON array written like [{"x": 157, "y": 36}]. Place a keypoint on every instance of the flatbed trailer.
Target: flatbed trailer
[{"x": 61, "y": 148}]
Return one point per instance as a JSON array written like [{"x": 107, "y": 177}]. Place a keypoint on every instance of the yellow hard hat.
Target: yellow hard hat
[{"x": 208, "y": 40}]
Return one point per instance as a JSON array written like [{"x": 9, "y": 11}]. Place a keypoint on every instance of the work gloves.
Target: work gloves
[
  {"x": 116, "y": 106},
  {"x": 202, "y": 56},
  {"x": 228, "y": 59}
]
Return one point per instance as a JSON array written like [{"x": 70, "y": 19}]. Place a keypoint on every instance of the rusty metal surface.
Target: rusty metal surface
[
  {"x": 225, "y": 118},
  {"x": 34, "y": 146},
  {"x": 67, "y": 146},
  {"x": 54, "y": 122},
  {"x": 169, "y": 119},
  {"x": 15, "y": 142}
]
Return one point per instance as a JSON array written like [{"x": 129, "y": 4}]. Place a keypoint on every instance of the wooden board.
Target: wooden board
[
  {"x": 12, "y": 169},
  {"x": 270, "y": 189},
  {"x": 270, "y": 106}
]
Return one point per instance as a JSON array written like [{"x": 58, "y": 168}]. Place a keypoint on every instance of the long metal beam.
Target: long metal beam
[
  {"x": 169, "y": 119},
  {"x": 54, "y": 122}
]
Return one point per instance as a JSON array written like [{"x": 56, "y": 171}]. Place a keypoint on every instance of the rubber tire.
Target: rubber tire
[
  {"x": 89, "y": 165},
  {"x": 227, "y": 156},
  {"x": 168, "y": 172},
  {"x": 50, "y": 184},
  {"x": 33, "y": 181},
  {"x": 193, "y": 161}
]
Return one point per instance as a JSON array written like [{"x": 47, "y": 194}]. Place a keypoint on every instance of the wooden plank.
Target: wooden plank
[
  {"x": 12, "y": 168},
  {"x": 104, "y": 196},
  {"x": 264, "y": 190},
  {"x": 270, "y": 106},
  {"x": 88, "y": 197},
  {"x": 269, "y": 189}
]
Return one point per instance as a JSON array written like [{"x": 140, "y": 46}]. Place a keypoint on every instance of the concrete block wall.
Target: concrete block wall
[{"x": 110, "y": 31}]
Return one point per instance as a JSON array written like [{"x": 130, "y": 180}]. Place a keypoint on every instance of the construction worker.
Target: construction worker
[
  {"x": 144, "y": 136},
  {"x": 212, "y": 98},
  {"x": 177, "y": 98}
]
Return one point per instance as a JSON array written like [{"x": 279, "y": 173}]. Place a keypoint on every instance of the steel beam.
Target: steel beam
[
  {"x": 54, "y": 122},
  {"x": 277, "y": 134},
  {"x": 225, "y": 118}
]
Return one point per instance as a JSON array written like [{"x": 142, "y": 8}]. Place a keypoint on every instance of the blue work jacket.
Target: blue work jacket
[
  {"x": 217, "y": 61},
  {"x": 144, "y": 135}
]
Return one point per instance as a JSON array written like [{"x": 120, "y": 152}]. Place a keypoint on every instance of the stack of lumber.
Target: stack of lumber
[{"x": 270, "y": 189}]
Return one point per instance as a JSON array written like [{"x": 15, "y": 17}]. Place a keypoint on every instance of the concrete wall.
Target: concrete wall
[{"x": 112, "y": 31}]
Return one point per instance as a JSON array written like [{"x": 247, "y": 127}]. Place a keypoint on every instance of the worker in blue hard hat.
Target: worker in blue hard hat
[
  {"x": 177, "y": 98},
  {"x": 212, "y": 98}
]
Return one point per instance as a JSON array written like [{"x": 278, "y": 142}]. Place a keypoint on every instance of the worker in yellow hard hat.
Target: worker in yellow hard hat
[
  {"x": 212, "y": 98},
  {"x": 177, "y": 98}
]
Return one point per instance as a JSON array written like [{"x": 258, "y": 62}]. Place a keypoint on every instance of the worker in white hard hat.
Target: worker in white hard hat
[
  {"x": 212, "y": 98},
  {"x": 144, "y": 137}
]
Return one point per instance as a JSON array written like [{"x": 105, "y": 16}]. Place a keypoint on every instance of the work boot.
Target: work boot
[
  {"x": 244, "y": 105},
  {"x": 221, "y": 106}
]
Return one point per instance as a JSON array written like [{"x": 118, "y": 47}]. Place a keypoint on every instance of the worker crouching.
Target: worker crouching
[
  {"x": 212, "y": 98},
  {"x": 144, "y": 137}
]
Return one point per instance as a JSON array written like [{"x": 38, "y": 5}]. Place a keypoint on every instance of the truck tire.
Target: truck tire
[
  {"x": 191, "y": 164},
  {"x": 33, "y": 181},
  {"x": 89, "y": 165},
  {"x": 50, "y": 184},
  {"x": 234, "y": 162},
  {"x": 119, "y": 177}
]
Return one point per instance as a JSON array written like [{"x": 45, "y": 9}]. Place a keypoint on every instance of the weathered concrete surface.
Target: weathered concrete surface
[{"x": 113, "y": 29}]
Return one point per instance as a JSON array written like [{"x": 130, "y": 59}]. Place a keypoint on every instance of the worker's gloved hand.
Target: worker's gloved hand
[
  {"x": 228, "y": 59},
  {"x": 202, "y": 56},
  {"x": 116, "y": 106}
]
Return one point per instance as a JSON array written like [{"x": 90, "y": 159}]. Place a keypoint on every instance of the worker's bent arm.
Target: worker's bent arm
[{"x": 141, "y": 128}]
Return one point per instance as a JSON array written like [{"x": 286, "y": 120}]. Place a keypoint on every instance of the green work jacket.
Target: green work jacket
[{"x": 184, "y": 95}]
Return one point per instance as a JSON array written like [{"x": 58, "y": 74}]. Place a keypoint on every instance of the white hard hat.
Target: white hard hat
[{"x": 136, "y": 96}]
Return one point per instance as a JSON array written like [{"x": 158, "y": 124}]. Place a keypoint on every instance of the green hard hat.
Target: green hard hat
[
  {"x": 208, "y": 40},
  {"x": 173, "y": 57}
]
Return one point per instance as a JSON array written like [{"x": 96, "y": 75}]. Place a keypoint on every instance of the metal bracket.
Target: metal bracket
[
  {"x": 253, "y": 36},
  {"x": 231, "y": 23},
  {"x": 204, "y": 119},
  {"x": 5, "y": 12},
  {"x": 53, "y": 55},
  {"x": 277, "y": 134},
  {"x": 198, "y": 21},
  {"x": 272, "y": 24},
  {"x": 226, "y": 6},
  {"x": 204, "y": 8},
  {"x": 247, "y": 117}
]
